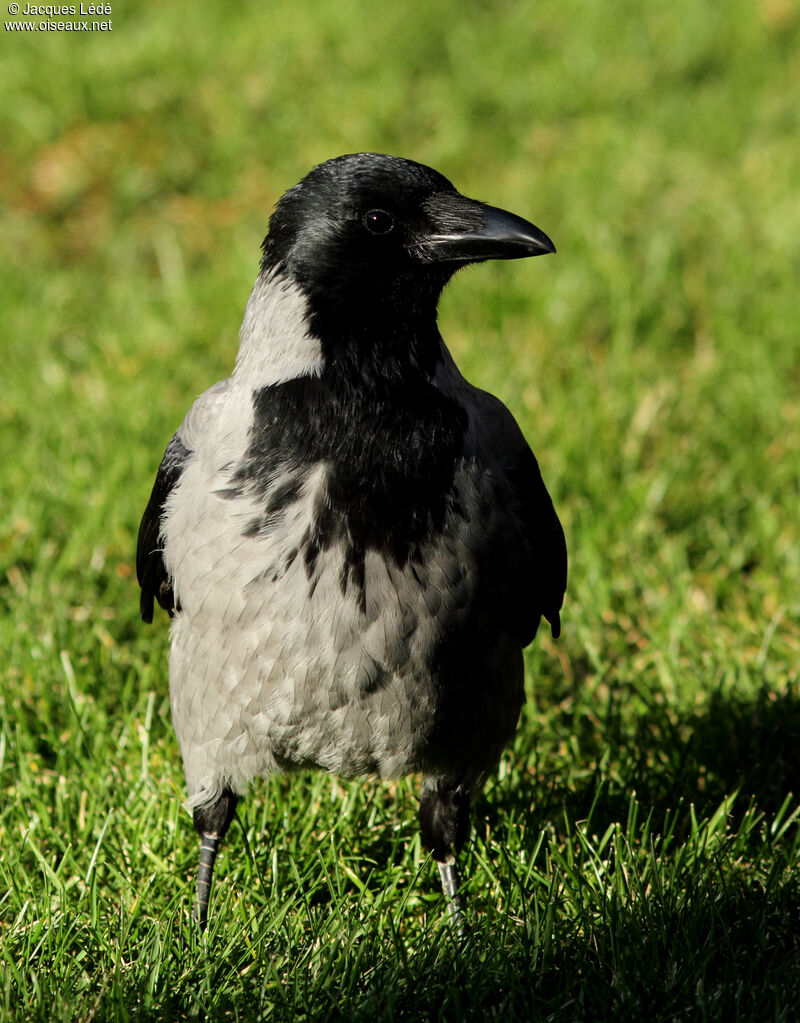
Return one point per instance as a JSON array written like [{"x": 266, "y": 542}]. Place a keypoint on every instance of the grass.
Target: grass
[{"x": 636, "y": 855}]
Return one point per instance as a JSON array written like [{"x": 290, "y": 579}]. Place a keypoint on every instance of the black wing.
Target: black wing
[
  {"x": 544, "y": 593},
  {"x": 150, "y": 568}
]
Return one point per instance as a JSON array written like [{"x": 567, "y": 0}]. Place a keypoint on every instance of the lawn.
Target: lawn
[{"x": 636, "y": 855}]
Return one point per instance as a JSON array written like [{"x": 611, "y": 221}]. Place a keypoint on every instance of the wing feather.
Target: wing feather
[
  {"x": 539, "y": 574},
  {"x": 543, "y": 591},
  {"x": 150, "y": 568}
]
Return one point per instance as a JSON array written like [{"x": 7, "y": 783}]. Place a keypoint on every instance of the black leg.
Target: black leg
[
  {"x": 444, "y": 822},
  {"x": 205, "y": 872},
  {"x": 211, "y": 822},
  {"x": 448, "y": 875}
]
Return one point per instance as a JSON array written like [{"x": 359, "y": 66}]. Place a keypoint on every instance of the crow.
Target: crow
[{"x": 354, "y": 543}]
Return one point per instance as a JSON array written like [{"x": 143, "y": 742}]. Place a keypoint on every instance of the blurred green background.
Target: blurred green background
[{"x": 636, "y": 857}]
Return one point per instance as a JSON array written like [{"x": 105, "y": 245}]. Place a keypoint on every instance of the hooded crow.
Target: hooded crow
[{"x": 354, "y": 544}]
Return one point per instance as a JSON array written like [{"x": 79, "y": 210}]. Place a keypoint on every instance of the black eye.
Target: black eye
[{"x": 378, "y": 221}]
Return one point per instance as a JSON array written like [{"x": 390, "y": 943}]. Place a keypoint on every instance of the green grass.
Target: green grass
[{"x": 636, "y": 855}]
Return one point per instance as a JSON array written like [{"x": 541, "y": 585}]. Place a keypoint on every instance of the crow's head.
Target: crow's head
[{"x": 369, "y": 231}]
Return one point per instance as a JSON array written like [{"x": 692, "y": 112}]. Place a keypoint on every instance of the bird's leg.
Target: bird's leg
[
  {"x": 450, "y": 886},
  {"x": 209, "y": 844},
  {"x": 211, "y": 822},
  {"x": 444, "y": 822}
]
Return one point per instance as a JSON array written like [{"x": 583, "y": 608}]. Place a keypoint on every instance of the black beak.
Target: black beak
[{"x": 466, "y": 231}]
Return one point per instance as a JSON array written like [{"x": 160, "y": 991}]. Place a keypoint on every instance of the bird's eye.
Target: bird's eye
[{"x": 378, "y": 221}]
